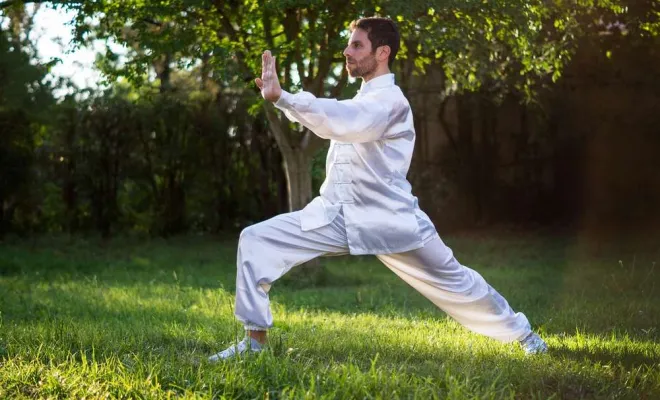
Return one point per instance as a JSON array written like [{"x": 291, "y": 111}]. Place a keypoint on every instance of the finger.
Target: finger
[
  {"x": 260, "y": 83},
  {"x": 271, "y": 67},
  {"x": 264, "y": 64}
]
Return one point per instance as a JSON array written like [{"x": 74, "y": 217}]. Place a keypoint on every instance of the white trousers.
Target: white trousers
[{"x": 268, "y": 250}]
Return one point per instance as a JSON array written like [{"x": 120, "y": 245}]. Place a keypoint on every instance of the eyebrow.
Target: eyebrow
[{"x": 355, "y": 41}]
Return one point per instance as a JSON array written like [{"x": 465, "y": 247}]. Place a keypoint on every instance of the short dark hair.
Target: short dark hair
[{"x": 381, "y": 32}]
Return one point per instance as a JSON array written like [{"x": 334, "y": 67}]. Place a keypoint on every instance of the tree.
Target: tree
[
  {"x": 499, "y": 45},
  {"x": 25, "y": 98},
  {"x": 228, "y": 38},
  {"x": 502, "y": 45}
]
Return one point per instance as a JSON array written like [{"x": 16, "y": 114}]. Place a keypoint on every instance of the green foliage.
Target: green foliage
[
  {"x": 158, "y": 163},
  {"x": 493, "y": 47},
  {"x": 137, "y": 319},
  {"x": 24, "y": 102},
  {"x": 501, "y": 46},
  {"x": 498, "y": 47},
  {"x": 133, "y": 158},
  {"x": 306, "y": 36},
  {"x": 181, "y": 151}
]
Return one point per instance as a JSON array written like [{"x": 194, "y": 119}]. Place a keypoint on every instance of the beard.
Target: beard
[{"x": 362, "y": 68}]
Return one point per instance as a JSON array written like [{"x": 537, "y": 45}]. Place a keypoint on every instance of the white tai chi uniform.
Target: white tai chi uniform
[{"x": 366, "y": 207}]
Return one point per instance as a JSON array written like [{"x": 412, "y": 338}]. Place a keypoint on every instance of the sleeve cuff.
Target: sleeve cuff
[{"x": 285, "y": 101}]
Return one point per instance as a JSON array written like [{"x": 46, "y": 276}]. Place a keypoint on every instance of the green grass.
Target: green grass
[{"x": 136, "y": 319}]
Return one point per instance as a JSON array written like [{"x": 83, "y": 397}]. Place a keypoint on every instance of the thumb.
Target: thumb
[{"x": 259, "y": 82}]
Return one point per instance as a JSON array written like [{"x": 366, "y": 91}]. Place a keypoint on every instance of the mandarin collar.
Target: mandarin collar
[{"x": 382, "y": 81}]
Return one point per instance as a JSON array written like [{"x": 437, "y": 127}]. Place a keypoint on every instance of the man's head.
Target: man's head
[{"x": 372, "y": 46}]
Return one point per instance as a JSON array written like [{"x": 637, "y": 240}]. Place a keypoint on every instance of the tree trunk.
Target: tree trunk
[
  {"x": 469, "y": 174},
  {"x": 163, "y": 69},
  {"x": 70, "y": 192},
  {"x": 2, "y": 218},
  {"x": 297, "y": 166},
  {"x": 69, "y": 195},
  {"x": 174, "y": 207},
  {"x": 297, "y": 159},
  {"x": 282, "y": 187}
]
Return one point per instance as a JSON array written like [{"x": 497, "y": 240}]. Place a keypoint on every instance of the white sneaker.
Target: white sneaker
[
  {"x": 248, "y": 345},
  {"x": 533, "y": 344}
]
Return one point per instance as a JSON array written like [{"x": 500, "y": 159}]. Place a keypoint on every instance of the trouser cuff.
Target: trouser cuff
[{"x": 250, "y": 327}]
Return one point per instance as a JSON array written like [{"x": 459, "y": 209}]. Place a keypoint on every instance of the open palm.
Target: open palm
[{"x": 269, "y": 84}]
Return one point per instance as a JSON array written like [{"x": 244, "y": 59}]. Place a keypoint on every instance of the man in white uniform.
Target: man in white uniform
[{"x": 365, "y": 204}]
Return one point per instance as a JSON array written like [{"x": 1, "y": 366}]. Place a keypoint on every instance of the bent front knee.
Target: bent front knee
[{"x": 248, "y": 236}]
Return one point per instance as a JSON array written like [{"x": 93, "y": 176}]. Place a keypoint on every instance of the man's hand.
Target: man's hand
[{"x": 269, "y": 83}]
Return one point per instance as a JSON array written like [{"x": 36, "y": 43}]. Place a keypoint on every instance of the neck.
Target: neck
[{"x": 380, "y": 71}]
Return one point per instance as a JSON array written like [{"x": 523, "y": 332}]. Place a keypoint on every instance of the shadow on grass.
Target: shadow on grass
[
  {"x": 77, "y": 324},
  {"x": 534, "y": 276},
  {"x": 631, "y": 359},
  {"x": 485, "y": 361},
  {"x": 51, "y": 320}
]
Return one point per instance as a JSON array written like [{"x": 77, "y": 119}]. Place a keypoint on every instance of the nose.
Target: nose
[{"x": 346, "y": 51}]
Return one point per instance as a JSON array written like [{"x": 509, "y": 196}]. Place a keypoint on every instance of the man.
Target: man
[{"x": 365, "y": 204}]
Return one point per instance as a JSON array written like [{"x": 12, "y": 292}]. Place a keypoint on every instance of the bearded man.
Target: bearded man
[{"x": 365, "y": 206}]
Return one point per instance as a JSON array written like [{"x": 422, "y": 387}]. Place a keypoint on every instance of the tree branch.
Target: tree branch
[
  {"x": 281, "y": 137},
  {"x": 229, "y": 28},
  {"x": 445, "y": 126},
  {"x": 312, "y": 61},
  {"x": 9, "y": 3},
  {"x": 151, "y": 22},
  {"x": 343, "y": 78},
  {"x": 325, "y": 56},
  {"x": 311, "y": 143},
  {"x": 29, "y": 20},
  {"x": 268, "y": 29},
  {"x": 291, "y": 26},
  {"x": 233, "y": 35}
]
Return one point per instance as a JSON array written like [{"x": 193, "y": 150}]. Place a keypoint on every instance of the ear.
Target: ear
[{"x": 384, "y": 53}]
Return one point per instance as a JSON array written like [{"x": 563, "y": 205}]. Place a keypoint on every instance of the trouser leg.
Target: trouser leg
[
  {"x": 458, "y": 290},
  {"x": 268, "y": 250}
]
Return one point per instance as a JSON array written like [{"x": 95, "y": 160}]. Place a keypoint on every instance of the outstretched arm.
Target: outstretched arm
[{"x": 358, "y": 120}]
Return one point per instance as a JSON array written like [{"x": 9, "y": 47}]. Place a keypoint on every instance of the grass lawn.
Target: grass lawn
[{"x": 137, "y": 319}]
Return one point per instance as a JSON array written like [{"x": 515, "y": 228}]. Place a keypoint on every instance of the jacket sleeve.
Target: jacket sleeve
[{"x": 358, "y": 120}]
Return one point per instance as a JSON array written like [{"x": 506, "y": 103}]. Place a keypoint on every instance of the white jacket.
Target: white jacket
[{"x": 372, "y": 138}]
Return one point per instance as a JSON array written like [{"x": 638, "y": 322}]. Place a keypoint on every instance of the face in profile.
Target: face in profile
[{"x": 360, "y": 57}]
